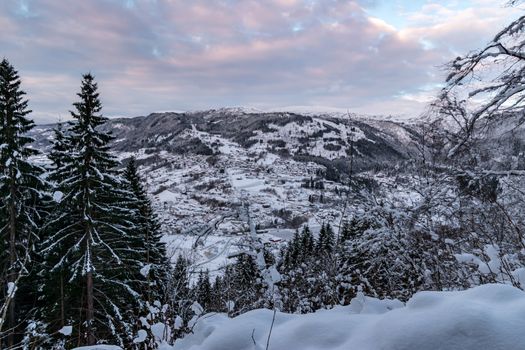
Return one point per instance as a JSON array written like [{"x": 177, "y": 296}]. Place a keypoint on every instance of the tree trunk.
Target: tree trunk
[
  {"x": 90, "y": 310},
  {"x": 148, "y": 262},
  {"x": 62, "y": 306},
  {"x": 12, "y": 256}
]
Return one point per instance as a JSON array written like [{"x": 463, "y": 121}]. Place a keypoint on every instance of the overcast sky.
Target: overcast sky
[{"x": 368, "y": 56}]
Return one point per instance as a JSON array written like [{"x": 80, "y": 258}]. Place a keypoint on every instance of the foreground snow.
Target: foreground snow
[
  {"x": 486, "y": 317},
  {"x": 99, "y": 347}
]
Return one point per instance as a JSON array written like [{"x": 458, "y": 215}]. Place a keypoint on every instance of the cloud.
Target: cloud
[
  {"x": 458, "y": 30},
  {"x": 172, "y": 54}
]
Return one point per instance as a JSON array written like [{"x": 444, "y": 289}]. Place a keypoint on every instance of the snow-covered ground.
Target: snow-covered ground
[
  {"x": 485, "y": 317},
  {"x": 488, "y": 317},
  {"x": 98, "y": 347}
]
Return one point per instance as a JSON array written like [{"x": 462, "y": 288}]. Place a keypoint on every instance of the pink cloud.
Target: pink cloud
[{"x": 173, "y": 54}]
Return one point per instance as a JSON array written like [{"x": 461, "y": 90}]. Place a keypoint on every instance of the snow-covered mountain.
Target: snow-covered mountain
[
  {"x": 327, "y": 135},
  {"x": 291, "y": 168},
  {"x": 199, "y": 166}
]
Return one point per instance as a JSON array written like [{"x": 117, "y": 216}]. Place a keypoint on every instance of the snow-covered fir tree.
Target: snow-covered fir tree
[
  {"x": 22, "y": 200},
  {"x": 243, "y": 284},
  {"x": 50, "y": 308},
  {"x": 147, "y": 229},
  {"x": 95, "y": 244},
  {"x": 203, "y": 290},
  {"x": 180, "y": 295},
  {"x": 326, "y": 240},
  {"x": 59, "y": 156}
]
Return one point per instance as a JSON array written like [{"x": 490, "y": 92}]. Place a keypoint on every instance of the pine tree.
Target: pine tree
[
  {"x": 59, "y": 156},
  {"x": 203, "y": 290},
  {"x": 245, "y": 284},
  {"x": 218, "y": 303},
  {"x": 95, "y": 244},
  {"x": 353, "y": 229},
  {"x": 325, "y": 241},
  {"x": 180, "y": 279},
  {"x": 307, "y": 243},
  {"x": 180, "y": 294},
  {"x": 293, "y": 251},
  {"x": 148, "y": 234},
  {"x": 22, "y": 189},
  {"x": 303, "y": 273}
]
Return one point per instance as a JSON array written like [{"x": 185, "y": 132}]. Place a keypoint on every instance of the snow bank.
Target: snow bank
[
  {"x": 485, "y": 317},
  {"x": 99, "y": 347}
]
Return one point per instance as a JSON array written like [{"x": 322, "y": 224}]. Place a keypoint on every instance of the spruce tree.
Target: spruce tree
[
  {"x": 180, "y": 294},
  {"x": 21, "y": 192},
  {"x": 180, "y": 279},
  {"x": 325, "y": 241},
  {"x": 218, "y": 303},
  {"x": 147, "y": 230},
  {"x": 203, "y": 291},
  {"x": 95, "y": 244},
  {"x": 292, "y": 252},
  {"x": 298, "y": 273},
  {"x": 307, "y": 243},
  {"x": 243, "y": 283},
  {"x": 59, "y": 157}
]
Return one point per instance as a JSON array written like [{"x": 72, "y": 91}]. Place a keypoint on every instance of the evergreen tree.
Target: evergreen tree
[
  {"x": 22, "y": 195},
  {"x": 298, "y": 272},
  {"x": 181, "y": 279},
  {"x": 325, "y": 241},
  {"x": 218, "y": 303},
  {"x": 203, "y": 291},
  {"x": 180, "y": 297},
  {"x": 59, "y": 156},
  {"x": 353, "y": 229},
  {"x": 148, "y": 231},
  {"x": 95, "y": 245},
  {"x": 246, "y": 289},
  {"x": 307, "y": 243},
  {"x": 293, "y": 251}
]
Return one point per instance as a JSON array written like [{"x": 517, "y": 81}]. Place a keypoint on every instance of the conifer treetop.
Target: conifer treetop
[{"x": 13, "y": 112}]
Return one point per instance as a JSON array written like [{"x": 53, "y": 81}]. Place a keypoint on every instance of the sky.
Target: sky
[{"x": 365, "y": 56}]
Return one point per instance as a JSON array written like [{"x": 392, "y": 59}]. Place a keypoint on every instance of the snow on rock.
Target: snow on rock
[{"x": 485, "y": 317}]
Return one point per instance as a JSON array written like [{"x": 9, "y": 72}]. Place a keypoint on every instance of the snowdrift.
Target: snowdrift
[
  {"x": 98, "y": 347},
  {"x": 487, "y": 317}
]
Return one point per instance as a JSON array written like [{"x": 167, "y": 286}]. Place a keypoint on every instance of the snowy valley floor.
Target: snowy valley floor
[{"x": 489, "y": 317}]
